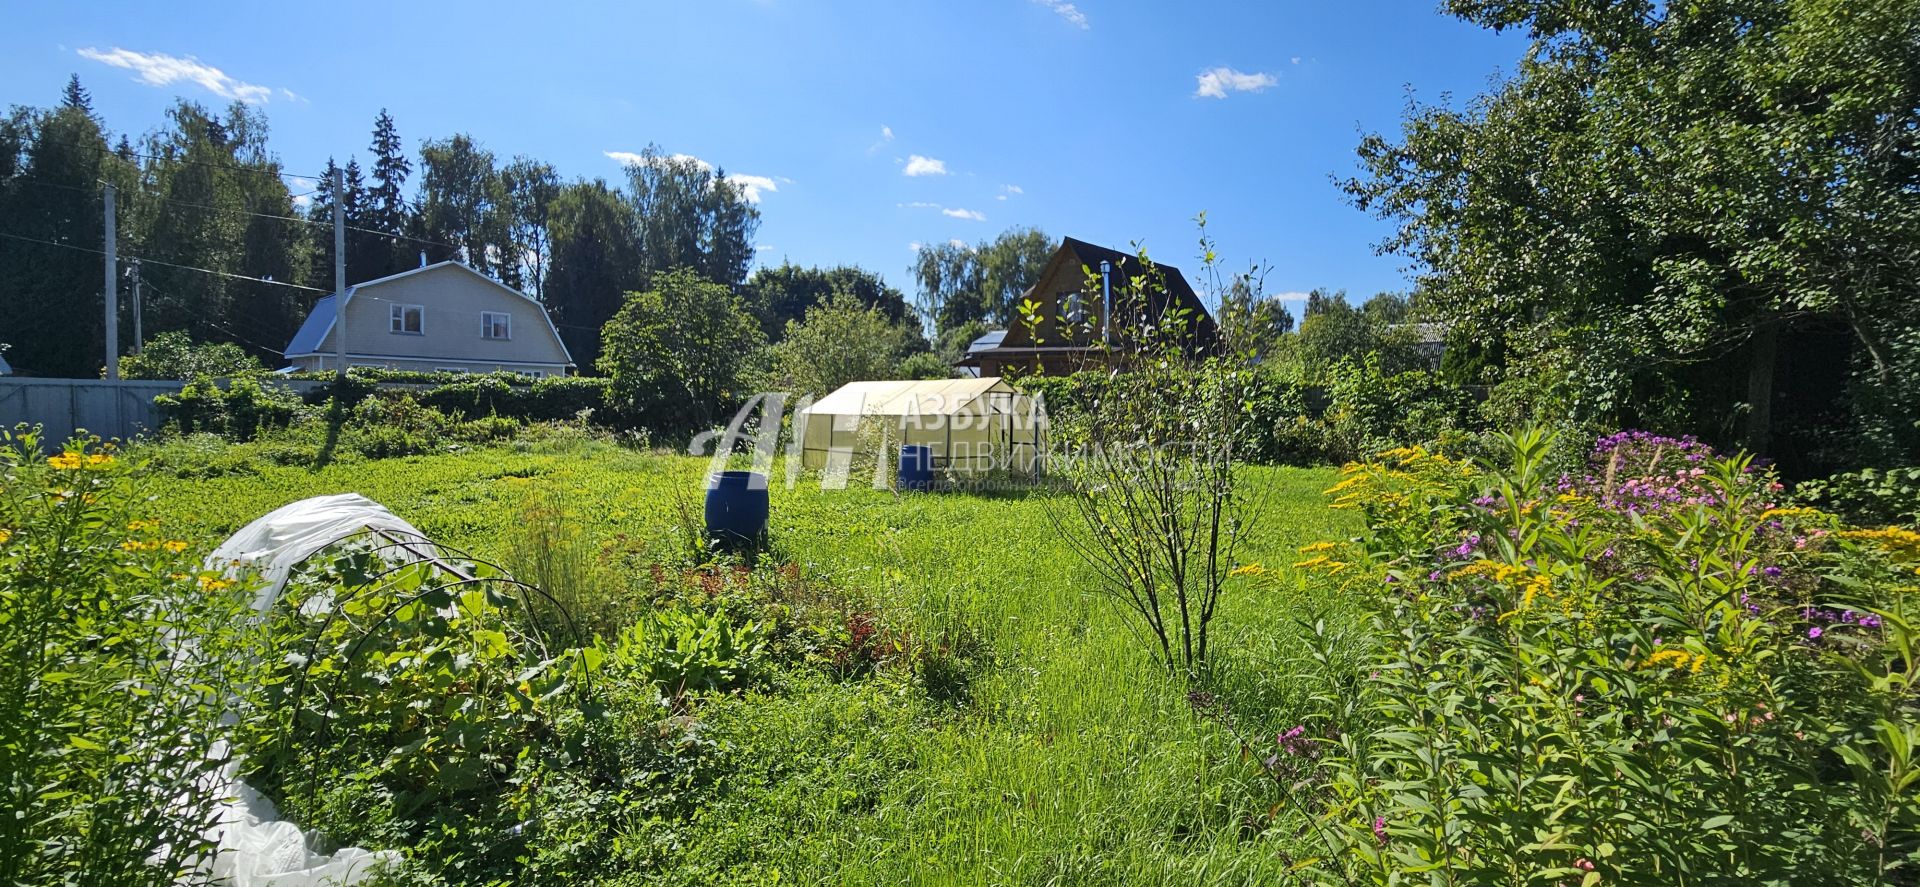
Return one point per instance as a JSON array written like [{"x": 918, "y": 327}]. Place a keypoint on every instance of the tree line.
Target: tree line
[{"x": 237, "y": 246}]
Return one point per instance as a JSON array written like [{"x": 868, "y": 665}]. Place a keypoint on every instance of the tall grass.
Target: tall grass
[{"x": 1071, "y": 758}]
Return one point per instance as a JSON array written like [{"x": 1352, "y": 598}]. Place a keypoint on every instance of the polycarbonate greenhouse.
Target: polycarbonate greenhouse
[{"x": 974, "y": 426}]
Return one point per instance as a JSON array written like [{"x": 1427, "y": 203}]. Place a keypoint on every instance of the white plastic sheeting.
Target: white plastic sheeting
[
  {"x": 256, "y": 848},
  {"x": 972, "y": 425}
]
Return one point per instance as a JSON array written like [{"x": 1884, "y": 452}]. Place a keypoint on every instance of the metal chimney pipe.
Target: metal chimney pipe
[{"x": 1106, "y": 300}]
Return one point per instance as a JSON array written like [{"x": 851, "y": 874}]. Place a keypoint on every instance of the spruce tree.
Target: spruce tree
[
  {"x": 387, "y": 210},
  {"x": 76, "y": 96}
]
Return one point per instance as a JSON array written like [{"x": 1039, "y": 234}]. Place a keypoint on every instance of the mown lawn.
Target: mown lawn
[{"x": 1070, "y": 758}]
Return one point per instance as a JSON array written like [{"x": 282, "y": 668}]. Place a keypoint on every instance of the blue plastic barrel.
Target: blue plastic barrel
[
  {"x": 737, "y": 506},
  {"x": 916, "y": 468}
]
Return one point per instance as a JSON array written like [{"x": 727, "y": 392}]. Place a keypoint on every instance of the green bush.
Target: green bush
[
  {"x": 1645, "y": 672},
  {"x": 414, "y": 705},
  {"x": 173, "y": 355},
  {"x": 1363, "y": 409},
  {"x": 246, "y": 408},
  {"x": 1868, "y": 496}
]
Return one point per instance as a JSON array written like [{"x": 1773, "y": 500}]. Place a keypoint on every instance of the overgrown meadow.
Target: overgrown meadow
[
  {"x": 936, "y": 694},
  {"x": 1648, "y": 668}
]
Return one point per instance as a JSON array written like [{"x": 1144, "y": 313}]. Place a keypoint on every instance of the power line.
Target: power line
[
  {"x": 233, "y": 332},
  {"x": 148, "y": 261},
  {"x": 104, "y": 149},
  {"x": 245, "y": 212}
]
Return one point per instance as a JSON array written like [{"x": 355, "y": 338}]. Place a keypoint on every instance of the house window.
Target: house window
[
  {"x": 531, "y": 374},
  {"x": 408, "y": 320},
  {"x": 1074, "y": 308},
  {"x": 496, "y": 325}
]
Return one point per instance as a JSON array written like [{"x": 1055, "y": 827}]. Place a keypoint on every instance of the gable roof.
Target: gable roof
[
  {"x": 313, "y": 331},
  {"x": 1127, "y": 268}
]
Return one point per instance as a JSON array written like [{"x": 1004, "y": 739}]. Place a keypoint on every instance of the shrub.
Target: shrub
[
  {"x": 117, "y": 660},
  {"x": 1868, "y": 495},
  {"x": 1647, "y": 674},
  {"x": 243, "y": 410},
  {"x": 413, "y": 705},
  {"x": 174, "y": 355}
]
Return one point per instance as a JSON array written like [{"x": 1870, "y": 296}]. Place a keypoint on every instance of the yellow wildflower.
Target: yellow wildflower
[
  {"x": 1318, "y": 547},
  {"x": 99, "y": 460},
  {"x": 210, "y": 583},
  {"x": 1349, "y": 481},
  {"x": 135, "y": 545},
  {"x": 139, "y": 525},
  {"x": 64, "y": 461},
  {"x": 1312, "y": 562},
  {"x": 1900, "y": 542},
  {"x": 1540, "y": 583},
  {"x": 1248, "y": 570},
  {"x": 5, "y": 534},
  {"x": 1674, "y": 657},
  {"x": 1771, "y": 513},
  {"x": 176, "y": 546}
]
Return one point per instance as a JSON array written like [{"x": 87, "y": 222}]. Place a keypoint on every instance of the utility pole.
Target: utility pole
[
  {"x": 139, "y": 341},
  {"x": 113, "y": 291},
  {"x": 339, "y": 275}
]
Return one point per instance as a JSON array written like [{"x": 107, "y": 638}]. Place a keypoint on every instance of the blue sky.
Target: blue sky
[{"x": 867, "y": 126}]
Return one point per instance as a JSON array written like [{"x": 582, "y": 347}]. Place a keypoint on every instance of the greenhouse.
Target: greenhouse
[{"x": 973, "y": 426}]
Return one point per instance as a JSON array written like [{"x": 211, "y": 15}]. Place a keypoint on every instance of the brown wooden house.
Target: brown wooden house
[{"x": 1095, "y": 304}]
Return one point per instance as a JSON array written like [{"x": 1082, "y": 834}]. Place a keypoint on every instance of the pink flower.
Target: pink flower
[{"x": 1380, "y": 828}]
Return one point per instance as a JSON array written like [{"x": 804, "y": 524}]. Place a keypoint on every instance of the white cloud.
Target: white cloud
[
  {"x": 953, "y": 211},
  {"x": 1217, "y": 82},
  {"x": 303, "y": 200},
  {"x": 886, "y": 133},
  {"x": 1067, "y": 11},
  {"x": 1296, "y": 60},
  {"x": 961, "y": 244},
  {"x": 762, "y": 248},
  {"x": 751, "y": 187},
  {"x": 160, "y": 69},
  {"x": 913, "y": 246},
  {"x": 1007, "y": 190},
  {"x": 924, "y": 166},
  {"x": 292, "y": 96}
]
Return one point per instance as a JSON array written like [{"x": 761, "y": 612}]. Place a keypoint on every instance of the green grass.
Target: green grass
[{"x": 1073, "y": 758}]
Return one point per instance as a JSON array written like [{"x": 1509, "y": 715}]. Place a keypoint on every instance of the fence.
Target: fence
[{"x": 111, "y": 409}]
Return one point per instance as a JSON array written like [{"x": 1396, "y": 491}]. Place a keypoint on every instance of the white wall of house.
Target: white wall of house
[{"x": 443, "y": 318}]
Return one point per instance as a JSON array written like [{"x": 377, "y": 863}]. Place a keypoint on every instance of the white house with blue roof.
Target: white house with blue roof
[{"x": 445, "y": 317}]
